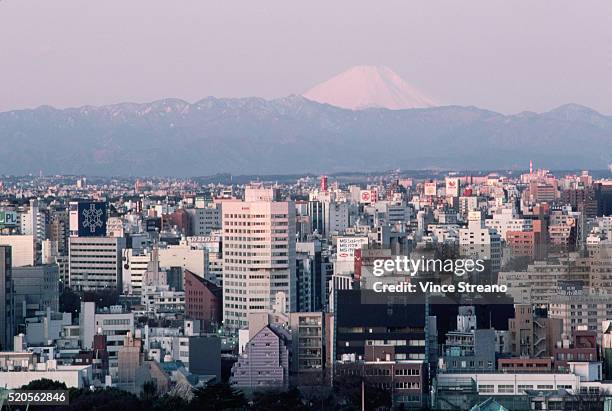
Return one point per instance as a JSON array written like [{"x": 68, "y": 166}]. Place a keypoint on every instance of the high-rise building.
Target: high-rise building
[
  {"x": 543, "y": 191},
  {"x": 259, "y": 257},
  {"x": 310, "y": 278},
  {"x": 34, "y": 222},
  {"x": 95, "y": 262},
  {"x": 468, "y": 348},
  {"x": 7, "y": 306},
  {"x": 318, "y": 214},
  {"x": 323, "y": 183},
  {"x": 328, "y": 216}
]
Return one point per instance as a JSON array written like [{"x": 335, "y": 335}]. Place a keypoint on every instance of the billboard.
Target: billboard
[
  {"x": 365, "y": 196},
  {"x": 368, "y": 196},
  {"x": 430, "y": 189},
  {"x": 8, "y": 219},
  {"x": 91, "y": 219},
  {"x": 153, "y": 224},
  {"x": 346, "y": 247},
  {"x": 452, "y": 186}
]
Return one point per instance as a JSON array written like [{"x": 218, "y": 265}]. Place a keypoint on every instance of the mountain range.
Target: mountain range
[
  {"x": 366, "y": 118},
  {"x": 293, "y": 135}
]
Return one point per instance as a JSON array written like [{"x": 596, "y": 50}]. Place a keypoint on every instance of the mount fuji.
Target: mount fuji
[{"x": 362, "y": 87}]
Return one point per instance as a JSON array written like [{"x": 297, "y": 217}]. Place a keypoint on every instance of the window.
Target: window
[
  {"x": 545, "y": 387},
  {"x": 505, "y": 389},
  {"x": 486, "y": 388},
  {"x": 407, "y": 385}
]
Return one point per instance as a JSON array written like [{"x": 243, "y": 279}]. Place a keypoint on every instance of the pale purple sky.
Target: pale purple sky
[{"x": 504, "y": 55}]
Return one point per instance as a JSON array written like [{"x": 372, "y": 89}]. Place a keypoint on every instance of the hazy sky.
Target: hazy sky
[{"x": 507, "y": 55}]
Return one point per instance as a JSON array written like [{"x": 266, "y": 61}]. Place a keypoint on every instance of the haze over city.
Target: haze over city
[{"x": 503, "y": 56}]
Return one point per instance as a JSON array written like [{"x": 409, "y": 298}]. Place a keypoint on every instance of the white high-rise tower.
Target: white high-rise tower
[{"x": 258, "y": 255}]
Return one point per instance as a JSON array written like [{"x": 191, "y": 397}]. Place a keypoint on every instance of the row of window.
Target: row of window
[
  {"x": 408, "y": 385},
  {"x": 255, "y": 215},
  {"x": 412, "y": 343},
  {"x": 509, "y": 388}
]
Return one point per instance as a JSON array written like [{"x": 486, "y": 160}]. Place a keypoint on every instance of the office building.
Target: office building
[
  {"x": 259, "y": 260},
  {"x": 95, "y": 262},
  {"x": 7, "y": 304}
]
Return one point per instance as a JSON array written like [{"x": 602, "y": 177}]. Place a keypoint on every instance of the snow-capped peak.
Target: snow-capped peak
[{"x": 363, "y": 87}]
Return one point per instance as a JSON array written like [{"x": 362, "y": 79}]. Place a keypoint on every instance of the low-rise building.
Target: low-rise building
[
  {"x": 264, "y": 362},
  {"x": 74, "y": 376}
]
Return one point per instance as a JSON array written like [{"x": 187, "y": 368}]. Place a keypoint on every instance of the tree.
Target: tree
[
  {"x": 168, "y": 402},
  {"x": 108, "y": 399},
  {"x": 44, "y": 384},
  {"x": 273, "y": 400},
  {"x": 149, "y": 391},
  {"x": 217, "y": 397}
]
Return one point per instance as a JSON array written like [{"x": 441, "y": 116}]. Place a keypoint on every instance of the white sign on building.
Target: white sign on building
[{"x": 346, "y": 247}]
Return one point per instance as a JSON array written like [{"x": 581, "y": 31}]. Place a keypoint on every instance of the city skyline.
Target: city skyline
[{"x": 324, "y": 206}]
